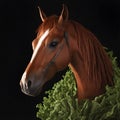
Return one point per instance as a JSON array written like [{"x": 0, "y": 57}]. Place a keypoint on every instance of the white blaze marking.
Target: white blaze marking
[
  {"x": 39, "y": 44},
  {"x": 23, "y": 77}
]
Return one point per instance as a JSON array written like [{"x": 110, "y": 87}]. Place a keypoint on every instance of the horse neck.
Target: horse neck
[
  {"x": 78, "y": 70},
  {"x": 90, "y": 64}
]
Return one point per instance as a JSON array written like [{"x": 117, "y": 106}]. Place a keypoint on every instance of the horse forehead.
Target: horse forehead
[{"x": 40, "y": 41}]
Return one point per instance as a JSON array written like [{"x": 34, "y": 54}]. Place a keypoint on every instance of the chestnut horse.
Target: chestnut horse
[{"x": 61, "y": 42}]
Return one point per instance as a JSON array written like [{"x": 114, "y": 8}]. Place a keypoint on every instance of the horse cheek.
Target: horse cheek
[{"x": 63, "y": 60}]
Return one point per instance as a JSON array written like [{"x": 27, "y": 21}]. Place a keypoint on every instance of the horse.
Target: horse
[{"x": 61, "y": 42}]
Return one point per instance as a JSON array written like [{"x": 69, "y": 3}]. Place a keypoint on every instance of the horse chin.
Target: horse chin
[{"x": 33, "y": 92}]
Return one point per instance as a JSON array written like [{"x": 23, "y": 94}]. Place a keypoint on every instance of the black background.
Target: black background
[{"x": 19, "y": 20}]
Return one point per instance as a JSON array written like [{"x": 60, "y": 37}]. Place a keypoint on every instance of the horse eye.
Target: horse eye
[{"x": 53, "y": 44}]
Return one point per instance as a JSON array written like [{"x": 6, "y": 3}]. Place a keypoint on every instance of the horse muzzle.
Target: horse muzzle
[{"x": 30, "y": 87}]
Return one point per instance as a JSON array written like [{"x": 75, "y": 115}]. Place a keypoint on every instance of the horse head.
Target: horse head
[
  {"x": 50, "y": 53},
  {"x": 61, "y": 42}
]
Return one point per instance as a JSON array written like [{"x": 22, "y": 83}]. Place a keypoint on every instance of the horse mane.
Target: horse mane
[{"x": 95, "y": 59}]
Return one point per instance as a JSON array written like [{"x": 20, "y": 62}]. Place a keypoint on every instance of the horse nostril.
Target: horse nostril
[{"x": 29, "y": 83}]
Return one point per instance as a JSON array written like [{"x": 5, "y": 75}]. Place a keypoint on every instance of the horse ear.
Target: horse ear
[
  {"x": 42, "y": 14},
  {"x": 64, "y": 14}
]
